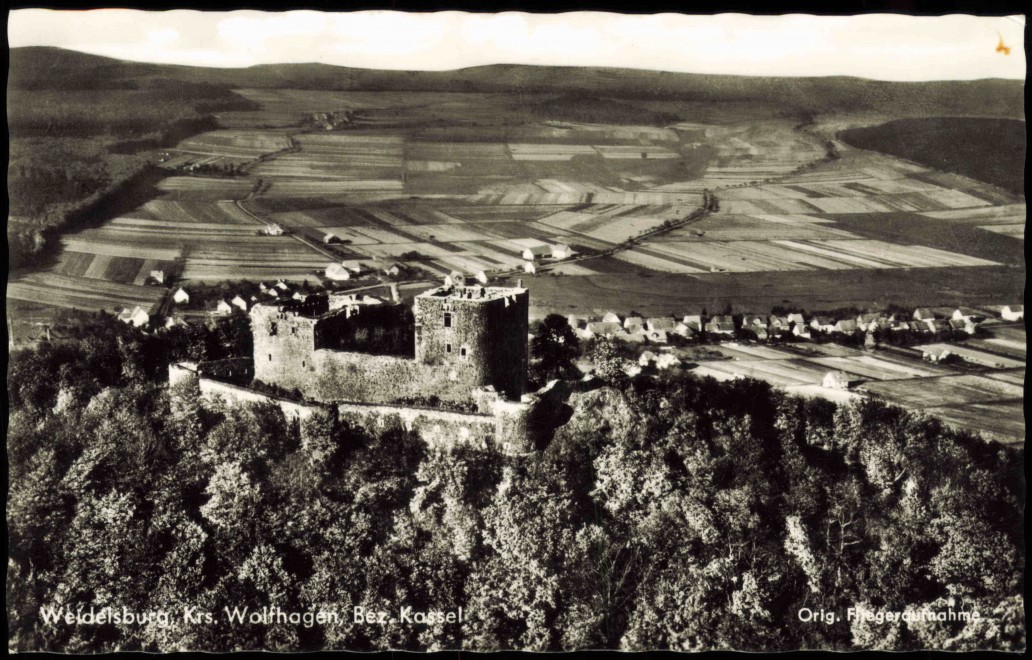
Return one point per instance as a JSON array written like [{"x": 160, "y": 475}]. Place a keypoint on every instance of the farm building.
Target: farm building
[
  {"x": 272, "y": 292},
  {"x": 137, "y": 316},
  {"x": 274, "y": 230},
  {"x": 537, "y": 252},
  {"x": 529, "y": 267},
  {"x": 611, "y": 317},
  {"x": 393, "y": 269},
  {"x": 575, "y": 321},
  {"x": 282, "y": 286},
  {"x": 158, "y": 276},
  {"x": 868, "y": 321},
  {"x": 352, "y": 265},
  {"x": 239, "y": 303},
  {"x": 963, "y": 325},
  {"x": 1013, "y": 312},
  {"x": 935, "y": 354},
  {"x": 836, "y": 380},
  {"x": 796, "y": 319},
  {"x": 330, "y": 237},
  {"x": 181, "y": 296},
  {"x": 174, "y": 321},
  {"x": 481, "y": 276},
  {"x": 561, "y": 252},
  {"x": 801, "y": 330},
  {"x": 297, "y": 296},
  {"x": 223, "y": 308}
]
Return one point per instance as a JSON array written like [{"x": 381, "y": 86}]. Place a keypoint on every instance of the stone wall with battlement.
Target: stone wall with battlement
[{"x": 500, "y": 424}]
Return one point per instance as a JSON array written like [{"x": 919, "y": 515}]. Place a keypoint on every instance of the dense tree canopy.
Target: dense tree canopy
[{"x": 666, "y": 513}]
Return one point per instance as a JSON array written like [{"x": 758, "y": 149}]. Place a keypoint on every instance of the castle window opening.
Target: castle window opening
[
  {"x": 447, "y": 319},
  {"x": 293, "y": 330},
  {"x": 272, "y": 329},
  {"x": 302, "y": 364},
  {"x": 270, "y": 357},
  {"x": 447, "y": 348},
  {"x": 463, "y": 351}
]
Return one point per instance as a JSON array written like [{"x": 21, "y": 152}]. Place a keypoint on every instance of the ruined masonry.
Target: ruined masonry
[{"x": 369, "y": 359}]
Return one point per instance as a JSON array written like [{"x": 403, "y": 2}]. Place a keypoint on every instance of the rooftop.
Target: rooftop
[{"x": 472, "y": 292}]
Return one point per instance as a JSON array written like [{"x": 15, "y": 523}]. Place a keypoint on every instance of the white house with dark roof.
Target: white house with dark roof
[
  {"x": 1012, "y": 312},
  {"x": 612, "y": 317},
  {"x": 823, "y": 324},
  {"x": 181, "y": 296},
  {"x": 239, "y": 303},
  {"x": 561, "y": 251},
  {"x": 223, "y": 308}
]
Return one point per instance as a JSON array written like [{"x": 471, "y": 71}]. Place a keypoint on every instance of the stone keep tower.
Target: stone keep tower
[{"x": 478, "y": 334}]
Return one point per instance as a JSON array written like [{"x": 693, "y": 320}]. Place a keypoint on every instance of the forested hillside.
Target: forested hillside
[{"x": 676, "y": 513}]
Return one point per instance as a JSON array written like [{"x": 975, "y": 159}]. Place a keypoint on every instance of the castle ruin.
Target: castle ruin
[{"x": 368, "y": 357}]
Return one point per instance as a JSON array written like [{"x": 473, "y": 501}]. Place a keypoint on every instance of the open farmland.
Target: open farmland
[{"x": 988, "y": 401}]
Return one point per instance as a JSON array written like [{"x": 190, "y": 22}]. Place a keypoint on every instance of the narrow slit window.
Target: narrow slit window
[
  {"x": 270, "y": 357},
  {"x": 272, "y": 329},
  {"x": 463, "y": 351},
  {"x": 447, "y": 348},
  {"x": 447, "y": 319}
]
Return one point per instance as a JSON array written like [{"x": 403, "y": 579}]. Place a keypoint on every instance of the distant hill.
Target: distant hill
[
  {"x": 990, "y": 150},
  {"x": 51, "y": 68}
]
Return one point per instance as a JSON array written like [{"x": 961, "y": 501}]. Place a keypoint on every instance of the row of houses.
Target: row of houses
[
  {"x": 658, "y": 329},
  {"x": 351, "y": 269}
]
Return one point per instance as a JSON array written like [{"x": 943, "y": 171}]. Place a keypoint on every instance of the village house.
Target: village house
[
  {"x": 223, "y": 308},
  {"x": 693, "y": 321},
  {"x": 922, "y": 314},
  {"x": 174, "y": 321},
  {"x": 801, "y": 330},
  {"x": 871, "y": 321},
  {"x": 796, "y": 319},
  {"x": 181, "y": 296},
  {"x": 393, "y": 269},
  {"x": 330, "y": 237},
  {"x": 158, "y": 276},
  {"x": 778, "y": 324},
  {"x": 274, "y": 229},
  {"x": 136, "y": 316},
  {"x": 646, "y": 358},
  {"x": 633, "y": 323},
  {"x": 846, "y": 326},
  {"x": 611, "y": 317},
  {"x": 720, "y": 325},
  {"x": 1012, "y": 312},
  {"x": 575, "y": 321},
  {"x": 963, "y": 325},
  {"x": 657, "y": 336},
  {"x": 337, "y": 272},
  {"x": 529, "y": 267},
  {"x": 282, "y": 286},
  {"x": 455, "y": 278},
  {"x": 667, "y": 361},
  {"x": 935, "y": 353},
  {"x": 936, "y": 325},
  {"x": 537, "y": 252},
  {"x": 481, "y": 276},
  {"x": 753, "y": 321},
  {"x": 683, "y": 330},
  {"x": 239, "y": 303},
  {"x": 604, "y": 329},
  {"x": 660, "y": 323},
  {"x": 823, "y": 324}
]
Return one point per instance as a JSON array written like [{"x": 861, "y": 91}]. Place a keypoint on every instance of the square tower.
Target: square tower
[{"x": 477, "y": 333}]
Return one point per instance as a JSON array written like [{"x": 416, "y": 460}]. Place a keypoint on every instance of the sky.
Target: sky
[{"x": 879, "y": 46}]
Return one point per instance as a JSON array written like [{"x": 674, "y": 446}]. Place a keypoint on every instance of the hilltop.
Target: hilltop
[{"x": 54, "y": 68}]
